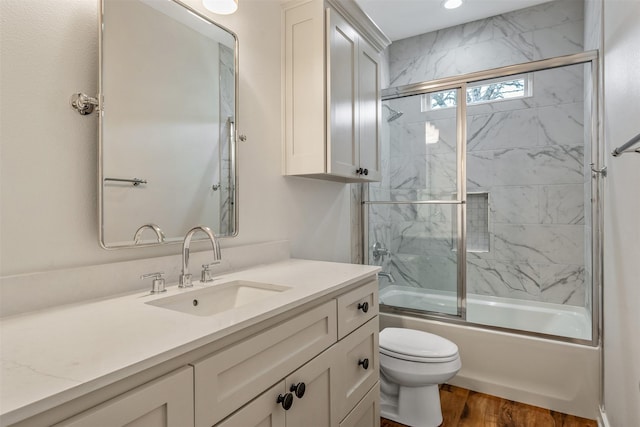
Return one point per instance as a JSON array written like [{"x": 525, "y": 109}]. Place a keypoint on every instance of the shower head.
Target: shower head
[{"x": 394, "y": 114}]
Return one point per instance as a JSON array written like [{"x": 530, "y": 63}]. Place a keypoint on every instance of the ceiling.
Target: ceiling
[{"x": 400, "y": 19}]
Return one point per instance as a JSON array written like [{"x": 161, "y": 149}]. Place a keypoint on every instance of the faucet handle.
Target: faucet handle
[
  {"x": 206, "y": 273},
  {"x": 158, "y": 281}
]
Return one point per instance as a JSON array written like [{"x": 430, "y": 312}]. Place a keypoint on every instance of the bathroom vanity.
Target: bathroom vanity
[{"x": 292, "y": 343}]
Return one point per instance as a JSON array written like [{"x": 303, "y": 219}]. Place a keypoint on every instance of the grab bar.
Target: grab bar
[
  {"x": 135, "y": 181},
  {"x": 624, "y": 147}
]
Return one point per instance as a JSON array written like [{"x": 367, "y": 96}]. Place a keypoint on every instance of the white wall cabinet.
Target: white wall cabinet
[
  {"x": 332, "y": 96},
  {"x": 329, "y": 349}
]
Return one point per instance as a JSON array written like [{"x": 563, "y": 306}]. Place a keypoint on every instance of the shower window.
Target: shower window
[{"x": 477, "y": 93}]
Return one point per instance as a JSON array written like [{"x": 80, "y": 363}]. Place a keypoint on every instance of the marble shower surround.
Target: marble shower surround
[{"x": 527, "y": 153}]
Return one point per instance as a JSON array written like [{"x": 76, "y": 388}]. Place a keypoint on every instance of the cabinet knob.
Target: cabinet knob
[
  {"x": 365, "y": 171},
  {"x": 364, "y": 363},
  {"x": 298, "y": 389},
  {"x": 359, "y": 171},
  {"x": 364, "y": 306},
  {"x": 286, "y": 400}
]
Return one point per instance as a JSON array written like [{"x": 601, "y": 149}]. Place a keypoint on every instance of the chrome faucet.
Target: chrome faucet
[
  {"x": 387, "y": 275},
  {"x": 185, "y": 277},
  {"x": 159, "y": 234}
]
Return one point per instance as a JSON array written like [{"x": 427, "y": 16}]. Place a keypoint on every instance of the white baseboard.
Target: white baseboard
[{"x": 603, "y": 421}]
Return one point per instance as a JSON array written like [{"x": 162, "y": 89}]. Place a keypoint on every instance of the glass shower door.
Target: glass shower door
[{"x": 415, "y": 215}]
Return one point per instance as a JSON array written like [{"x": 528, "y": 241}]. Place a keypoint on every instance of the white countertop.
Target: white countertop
[{"x": 53, "y": 356}]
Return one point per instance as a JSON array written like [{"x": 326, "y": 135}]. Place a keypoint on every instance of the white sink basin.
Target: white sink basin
[{"x": 218, "y": 298}]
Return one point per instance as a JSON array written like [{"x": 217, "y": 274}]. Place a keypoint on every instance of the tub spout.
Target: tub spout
[{"x": 389, "y": 276}]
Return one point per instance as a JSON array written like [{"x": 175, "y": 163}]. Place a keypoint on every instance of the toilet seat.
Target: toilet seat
[{"x": 416, "y": 346}]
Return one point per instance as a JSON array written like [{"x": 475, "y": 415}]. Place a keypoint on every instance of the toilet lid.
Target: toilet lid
[{"x": 416, "y": 344}]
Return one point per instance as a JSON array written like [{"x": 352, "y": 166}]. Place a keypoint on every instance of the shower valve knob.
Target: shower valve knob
[
  {"x": 286, "y": 400},
  {"x": 364, "y": 363},
  {"x": 364, "y": 306}
]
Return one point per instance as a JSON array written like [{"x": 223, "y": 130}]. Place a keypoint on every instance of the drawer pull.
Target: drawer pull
[
  {"x": 364, "y": 306},
  {"x": 286, "y": 400},
  {"x": 364, "y": 363},
  {"x": 298, "y": 389}
]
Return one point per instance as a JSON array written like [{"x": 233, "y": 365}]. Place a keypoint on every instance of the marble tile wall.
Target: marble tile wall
[{"x": 528, "y": 154}]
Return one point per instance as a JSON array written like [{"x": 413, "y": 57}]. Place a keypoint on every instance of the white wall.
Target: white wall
[
  {"x": 48, "y": 158},
  {"x": 621, "y": 212}
]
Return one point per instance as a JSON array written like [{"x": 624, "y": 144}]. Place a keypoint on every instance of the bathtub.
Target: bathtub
[
  {"x": 561, "y": 376},
  {"x": 545, "y": 318}
]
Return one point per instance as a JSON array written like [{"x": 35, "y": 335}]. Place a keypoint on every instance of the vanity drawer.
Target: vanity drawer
[
  {"x": 357, "y": 307},
  {"x": 228, "y": 379},
  {"x": 359, "y": 365}
]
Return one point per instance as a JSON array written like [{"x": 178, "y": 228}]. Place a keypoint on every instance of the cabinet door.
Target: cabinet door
[
  {"x": 369, "y": 111},
  {"x": 264, "y": 411},
  {"x": 359, "y": 365},
  {"x": 318, "y": 406},
  {"x": 164, "y": 402},
  {"x": 342, "y": 68},
  {"x": 367, "y": 412}
]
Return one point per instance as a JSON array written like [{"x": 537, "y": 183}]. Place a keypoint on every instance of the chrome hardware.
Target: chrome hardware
[
  {"x": 624, "y": 148},
  {"x": 205, "y": 275},
  {"x": 157, "y": 285},
  {"x": 389, "y": 276},
  {"x": 242, "y": 138},
  {"x": 185, "y": 278},
  {"x": 159, "y": 234},
  {"x": 135, "y": 181},
  {"x": 83, "y": 104},
  {"x": 380, "y": 251},
  {"x": 602, "y": 171},
  {"x": 394, "y": 113}
]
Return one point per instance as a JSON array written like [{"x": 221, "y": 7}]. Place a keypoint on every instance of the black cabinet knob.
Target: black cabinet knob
[
  {"x": 286, "y": 400},
  {"x": 364, "y": 306},
  {"x": 365, "y": 171},
  {"x": 298, "y": 389},
  {"x": 359, "y": 171},
  {"x": 364, "y": 363}
]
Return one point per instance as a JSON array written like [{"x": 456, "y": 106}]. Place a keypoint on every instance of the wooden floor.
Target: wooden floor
[{"x": 465, "y": 408}]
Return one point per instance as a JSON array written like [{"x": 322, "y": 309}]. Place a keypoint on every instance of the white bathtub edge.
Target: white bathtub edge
[{"x": 603, "y": 421}]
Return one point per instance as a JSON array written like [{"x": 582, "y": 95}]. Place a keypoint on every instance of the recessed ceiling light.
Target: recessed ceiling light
[
  {"x": 221, "y": 7},
  {"x": 452, "y": 4}
]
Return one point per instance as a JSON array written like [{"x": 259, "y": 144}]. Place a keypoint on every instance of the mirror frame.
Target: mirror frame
[{"x": 233, "y": 149}]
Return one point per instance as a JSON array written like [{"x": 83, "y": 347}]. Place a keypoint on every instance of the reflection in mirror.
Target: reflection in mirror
[{"x": 167, "y": 128}]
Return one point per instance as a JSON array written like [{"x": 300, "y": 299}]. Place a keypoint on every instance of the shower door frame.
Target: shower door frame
[{"x": 460, "y": 83}]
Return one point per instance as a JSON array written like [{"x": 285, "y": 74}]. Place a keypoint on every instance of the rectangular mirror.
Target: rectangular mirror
[{"x": 168, "y": 89}]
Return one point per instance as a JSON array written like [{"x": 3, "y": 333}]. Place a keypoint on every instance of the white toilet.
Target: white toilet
[{"x": 412, "y": 364}]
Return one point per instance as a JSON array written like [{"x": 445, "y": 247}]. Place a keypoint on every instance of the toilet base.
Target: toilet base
[{"x": 413, "y": 406}]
